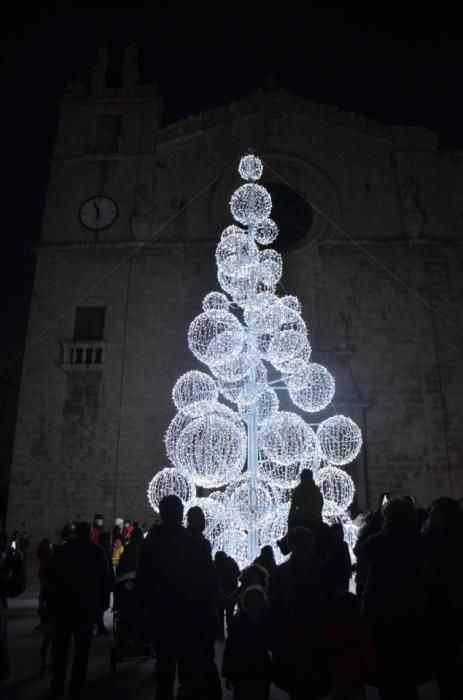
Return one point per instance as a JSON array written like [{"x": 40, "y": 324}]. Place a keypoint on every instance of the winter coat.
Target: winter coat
[
  {"x": 246, "y": 655},
  {"x": 307, "y": 502}
]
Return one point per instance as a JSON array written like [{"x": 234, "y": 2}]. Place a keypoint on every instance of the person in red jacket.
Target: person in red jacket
[{"x": 97, "y": 529}]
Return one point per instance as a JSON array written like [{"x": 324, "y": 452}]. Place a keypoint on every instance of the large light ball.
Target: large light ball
[
  {"x": 170, "y": 481},
  {"x": 235, "y": 368},
  {"x": 280, "y": 475},
  {"x": 336, "y": 486},
  {"x": 214, "y": 336},
  {"x": 270, "y": 267},
  {"x": 250, "y": 167},
  {"x": 192, "y": 389},
  {"x": 266, "y": 232},
  {"x": 212, "y": 449},
  {"x": 215, "y": 301},
  {"x": 286, "y": 346},
  {"x": 286, "y": 438},
  {"x": 315, "y": 392},
  {"x": 246, "y": 390},
  {"x": 234, "y": 543},
  {"x": 251, "y": 204},
  {"x": 178, "y": 422},
  {"x": 234, "y": 252},
  {"x": 339, "y": 440},
  {"x": 231, "y": 231},
  {"x": 267, "y": 404},
  {"x": 252, "y": 501}
]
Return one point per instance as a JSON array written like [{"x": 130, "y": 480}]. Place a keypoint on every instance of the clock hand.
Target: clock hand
[{"x": 97, "y": 210}]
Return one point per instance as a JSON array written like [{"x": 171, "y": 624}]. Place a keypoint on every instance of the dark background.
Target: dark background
[{"x": 389, "y": 66}]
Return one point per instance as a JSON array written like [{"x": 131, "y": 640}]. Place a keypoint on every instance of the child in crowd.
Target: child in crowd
[{"x": 247, "y": 665}]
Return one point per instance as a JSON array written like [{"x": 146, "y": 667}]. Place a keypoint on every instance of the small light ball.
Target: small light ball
[
  {"x": 215, "y": 301},
  {"x": 250, "y": 167},
  {"x": 266, "y": 232}
]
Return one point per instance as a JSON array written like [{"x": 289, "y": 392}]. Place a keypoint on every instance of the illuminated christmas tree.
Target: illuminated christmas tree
[{"x": 247, "y": 454}]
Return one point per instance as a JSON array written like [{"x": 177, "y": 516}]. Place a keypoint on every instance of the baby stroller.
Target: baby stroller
[{"x": 131, "y": 624}]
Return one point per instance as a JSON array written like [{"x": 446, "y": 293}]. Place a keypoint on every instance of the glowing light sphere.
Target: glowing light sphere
[
  {"x": 234, "y": 252},
  {"x": 234, "y": 542},
  {"x": 286, "y": 438},
  {"x": 170, "y": 481},
  {"x": 270, "y": 267},
  {"x": 266, "y": 232},
  {"x": 316, "y": 392},
  {"x": 234, "y": 369},
  {"x": 212, "y": 449},
  {"x": 250, "y": 204},
  {"x": 252, "y": 501},
  {"x": 284, "y": 495},
  {"x": 274, "y": 530},
  {"x": 215, "y": 301},
  {"x": 214, "y": 336},
  {"x": 192, "y": 389},
  {"x": 339, "y": 440},
  {"x": 331, "y": 513},
  {"x": 244, "y": 391},
  {"x": 281, "y": 475},
  {"x": 336, "y": 486},
  {"x": 292, "y": 302},
  {"x": 250, "y": 167},
  {"x": 286, "y": 346},
  {"x": 232, "y": 230},
  {"x": 179, "y": 421},
  {"x": 267, "y": 404}
]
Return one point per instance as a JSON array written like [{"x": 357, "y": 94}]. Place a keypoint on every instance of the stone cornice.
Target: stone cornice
[{"x": 272, "y": 102}]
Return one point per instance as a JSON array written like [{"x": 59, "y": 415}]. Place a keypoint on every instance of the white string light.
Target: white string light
[{"x": 242, "y": 338}]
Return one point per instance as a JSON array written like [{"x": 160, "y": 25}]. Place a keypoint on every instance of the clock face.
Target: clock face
[{"x": 98, "y": 213}]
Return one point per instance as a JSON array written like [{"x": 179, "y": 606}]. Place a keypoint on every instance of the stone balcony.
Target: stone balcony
[{"x": 83, "y": 355}]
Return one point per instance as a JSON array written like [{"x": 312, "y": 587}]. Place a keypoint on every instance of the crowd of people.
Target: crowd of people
[{"x": 298, "y": 624}]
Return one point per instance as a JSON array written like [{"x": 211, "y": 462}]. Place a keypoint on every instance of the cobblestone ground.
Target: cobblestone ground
[{"x": 135, "y": 678}]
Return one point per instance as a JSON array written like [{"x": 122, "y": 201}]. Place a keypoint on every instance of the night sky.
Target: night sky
[{"x": 391, "y": 67}]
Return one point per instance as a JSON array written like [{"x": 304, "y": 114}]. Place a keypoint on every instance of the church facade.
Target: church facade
[{"x": 371, "y": 237}]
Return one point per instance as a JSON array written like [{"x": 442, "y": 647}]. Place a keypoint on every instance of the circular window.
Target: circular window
[{"x": 292, "y": 214}]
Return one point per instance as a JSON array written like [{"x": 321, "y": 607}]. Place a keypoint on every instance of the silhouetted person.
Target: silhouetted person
[
  {"x": 107, "y": 587},
  {"x": 266, "y": 559},
  {"x": 97, "y": 528},
  {"x": 351, "y": 649},
  {"x": 300, "y": 593},
  {"x": 196, "y": 523},
  {"x": 395, "y": 601},
  {"x": 247, "y": 666},
  {"x": 443, "y": 543},
  {"x": 12, "y": 584},
  {"x": 306, "y": 503},
  {"x": 77, "y": 573},
  {"x": 306, "y": 511},
  {"x": 176, "y": 581},
  {"x": 131, "y": 554},
  {"x": 228, "y": 572},
  {"x": 340, "y": 564}
]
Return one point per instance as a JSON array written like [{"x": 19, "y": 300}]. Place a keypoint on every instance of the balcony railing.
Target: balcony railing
[{"x": 83, "y": 354}]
